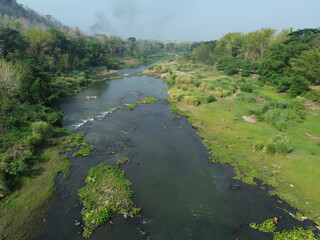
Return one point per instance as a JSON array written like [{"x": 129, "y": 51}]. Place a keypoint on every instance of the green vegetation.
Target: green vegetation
[
  {"x": 43, "y": 62},
  {"x": 21, "y": 210},
  {"x": 106, "y": 193},
  {"x": 123, "y": 161},
  {"x": 268, "y": 225},
  {"x": 279, "y": 144},
  {"x": 145, "y": 100},
  {"x": 295, "y": 234},
  {"x": 288, "y": 60},
  {"x": 84, "y": 151},
  {"x": 261, "y": 133}
]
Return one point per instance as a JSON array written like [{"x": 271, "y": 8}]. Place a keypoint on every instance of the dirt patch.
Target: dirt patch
[
  {"x": 233, "y": 96},
  {"x": 312, "y": 105},
  {"x": 313, "y": 137},
  {"x": 249, "y": 119},
  {"x": 315, "y": 87},
  {"x": 163, "y": 75}
]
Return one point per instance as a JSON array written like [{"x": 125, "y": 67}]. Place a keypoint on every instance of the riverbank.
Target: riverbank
[
  {"x": 219, "y": 107},
  {"x": 22, "y": 210}
]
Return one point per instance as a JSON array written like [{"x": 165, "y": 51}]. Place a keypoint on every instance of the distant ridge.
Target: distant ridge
[{"x": 27, "y": 17}]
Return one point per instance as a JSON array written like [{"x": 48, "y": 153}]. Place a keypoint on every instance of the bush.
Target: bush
[
  {"x": 225, "y": 93},
  {"x": 280, "y": 144},
  {"x": 298, "y": 86},
  {"x": 231, "y": 69},
  {"x": 246, "y": 98},
  {"x": 54, "y": 118},
  {"x": 246, "y": 87},
  {"x": 313, "y": 96},
  {"x": 42, "y": 129},
  {"x": 258, "y": 146}
]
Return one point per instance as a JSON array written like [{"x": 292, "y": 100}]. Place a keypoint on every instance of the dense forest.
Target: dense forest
[
  {"x": 288, "y": 60},
  {"x": 41, "y": 63}
]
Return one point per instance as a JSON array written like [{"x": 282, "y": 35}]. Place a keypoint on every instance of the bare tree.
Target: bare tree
[{"x": 10, "y": 76}]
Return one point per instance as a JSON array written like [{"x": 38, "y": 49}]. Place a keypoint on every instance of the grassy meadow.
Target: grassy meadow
[{"x": 261, "y": 133}]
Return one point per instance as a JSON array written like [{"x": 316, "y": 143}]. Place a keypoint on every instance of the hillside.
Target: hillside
[{"x": 10, "y": 10}]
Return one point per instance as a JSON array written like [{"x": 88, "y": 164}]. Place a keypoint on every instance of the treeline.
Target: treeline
[
  {"x": 288, "y": 60},
  {"x": 38, "y": 70}
]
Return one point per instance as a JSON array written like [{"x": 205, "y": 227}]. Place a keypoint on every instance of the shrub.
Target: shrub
[
  {"x": 313, "y": 96},
  {"x": 246, "y": 98},
  {"x": 225, "y": 93},
  {"x": 42, "y": 129},
  {"x": 271, "y": 148},
  {"x": 231, "y": 69},
  {"x": 206, "y": 98},
  {"x": 54, "y": 118},
  {"x": 280, "y": 144},
  {"x": 246, "y": 87},
  {"x": 299, "y": 85},
  {"x": 258, "y": 146},
  {"x": 192, "y": 100}
]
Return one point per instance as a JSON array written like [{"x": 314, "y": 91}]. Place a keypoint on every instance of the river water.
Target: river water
[{"x": 181, "y": 194}]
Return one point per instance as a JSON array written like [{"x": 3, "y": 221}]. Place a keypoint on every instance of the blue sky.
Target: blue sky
[{"x": 183, "y": 20}]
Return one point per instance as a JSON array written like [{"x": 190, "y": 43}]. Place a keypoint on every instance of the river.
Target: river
[{"x": 181, "y": 194}]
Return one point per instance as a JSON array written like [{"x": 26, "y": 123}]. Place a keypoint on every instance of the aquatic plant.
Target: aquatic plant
[
  {"x": 123, "y": 161},
  {"x": 295, "y": 234},
  {"x": 268, "y": 225},
  {"x": 84, "y": 151}
]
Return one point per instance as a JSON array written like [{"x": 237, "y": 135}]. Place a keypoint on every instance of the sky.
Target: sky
[{"x": 179, "y": 20}]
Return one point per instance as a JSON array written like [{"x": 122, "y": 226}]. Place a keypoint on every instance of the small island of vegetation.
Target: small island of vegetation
[{"x": 106, "y": 193}]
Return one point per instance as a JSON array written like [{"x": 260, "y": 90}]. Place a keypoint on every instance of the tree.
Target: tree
[
  {"x": 10, "y": 77},
  {"x": 11, "y": 42},
  {"x": 308, "y": 65},
  {"x": 96, "y": 53}
]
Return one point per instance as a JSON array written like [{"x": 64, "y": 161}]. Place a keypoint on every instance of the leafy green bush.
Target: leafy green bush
[
  {"x": 298, "y": 86},
  {"x": 258, "y": 146},
  {"x": 280, "y": 144},
  {"x": 246, "y": 87},
  {"x": 313, "y": 96},
  {"x": 42, "y": 129},
  {"x": 54, "y": 118},
  {"x": 280, "y": 113},
  {"x": 231, "y": 69}
]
